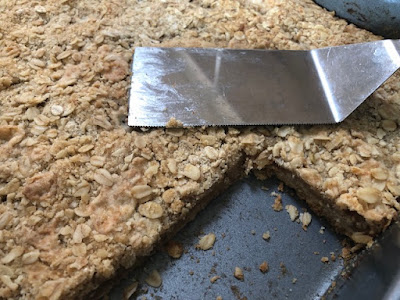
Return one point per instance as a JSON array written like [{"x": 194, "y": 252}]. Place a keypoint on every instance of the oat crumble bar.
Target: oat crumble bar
[{"x": 83, "y": 196}]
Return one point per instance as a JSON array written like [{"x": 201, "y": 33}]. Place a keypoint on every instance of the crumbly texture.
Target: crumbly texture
[{"x": 83, "y": 195}]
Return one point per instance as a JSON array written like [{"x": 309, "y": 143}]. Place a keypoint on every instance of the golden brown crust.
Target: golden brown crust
[{"x": 83, "y": 195}]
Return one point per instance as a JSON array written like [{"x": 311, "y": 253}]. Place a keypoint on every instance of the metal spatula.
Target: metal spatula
[{"x": 255, "y": 87}]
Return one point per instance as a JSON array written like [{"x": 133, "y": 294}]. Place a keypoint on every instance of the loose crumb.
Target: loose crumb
[
  {"x": 322, "y": 230},
  {"x": 305, "y": 219},
  {"x": 316, "y": 252},
  {"x": 264, "y": 267},
  {"x": 206, "y": 242},
  {"x": 325, "y": 259},
  {"x": 238, "y": 273},
  {"x": 174, "y": 249},
  {"x": 130, "y": 290},
  {"x": 154, "y": 279},
  {"x": 277, "y": 206},
  {"x": 191, "y": 273},
  {"x": 280, "y": 186},
  {"x": 218, "y": 298},
  {"x": 294, "y": 280},
  {"x": 174, "y": 123},
  {"x": 346, "y": 254},
  {"x": 266, "y": 236},
  {"x": 214, "y": 278},
  {"x": 333, "y": 256},
  {"x": 284, "y": 270},
  {"x": 333, "y": 284},
  {"x": 292, "y": 211},
  {"x": 253, "y": 232}
]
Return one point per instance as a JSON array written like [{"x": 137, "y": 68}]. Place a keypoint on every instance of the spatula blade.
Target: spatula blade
[{"x": 256, "y": 87}]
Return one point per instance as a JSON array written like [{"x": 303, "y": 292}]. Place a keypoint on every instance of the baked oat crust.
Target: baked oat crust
[{"x": 83, "y": 195}]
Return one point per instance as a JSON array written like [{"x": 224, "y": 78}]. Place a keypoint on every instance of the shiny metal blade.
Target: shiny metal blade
[{"x": 254, "y": 87}]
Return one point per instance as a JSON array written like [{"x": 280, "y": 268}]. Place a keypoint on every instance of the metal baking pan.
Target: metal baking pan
[
  {"x": 381, "y": 17},
  {"x": 238, "y": 218},
  {"x": 243, "y": 213}
]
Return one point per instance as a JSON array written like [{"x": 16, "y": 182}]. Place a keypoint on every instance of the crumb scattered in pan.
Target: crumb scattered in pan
[
  {"x": 213, "y": 270},
  {"x": 235, "y": 290},
  {"x": 218, "y": 298},
  {"x": 130, "y": 290},
  {"x": 292, "y": 211},
  {"x": 322, "y": 230},
  {"x": 333, "y": 256},
  {"x": 266, "y": 236},
  {"x": 346, "y": 254},
  {"x": 191, "y": 273},
  {"x": 265, "y": 188},
  {"x": 253, "y": 232},
  {"x": 316, "y": 252},
  {"x": 294, "y": 280},
  {"x": 305, "y": 219},
  {"x": 277, "y": 206},
  {"x": 238, "y": 273},
  {"x": 325, "y": 259},
  {"x": 214, "y": 278},
  {"x": 174, "y": 249},
  {"x": 280, "y": 186},
  {"x": 283, "y": 268},
  {"x": 154, "y": 279},
  {"x": 174, "y": 123},
  {"x": 264, "y": 267},
  {"x": 206, "y": 242}
]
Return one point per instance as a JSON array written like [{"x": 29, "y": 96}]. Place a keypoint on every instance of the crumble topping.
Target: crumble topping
[{"x": 83, "y": 195}]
